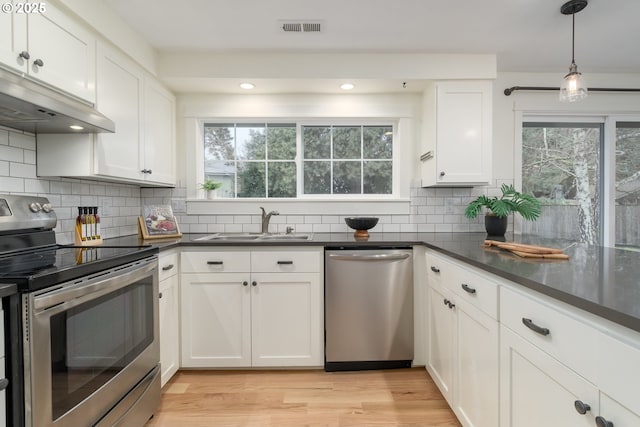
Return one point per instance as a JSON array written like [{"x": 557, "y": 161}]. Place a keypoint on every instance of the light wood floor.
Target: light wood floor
[{"x": 389, "y": 398}]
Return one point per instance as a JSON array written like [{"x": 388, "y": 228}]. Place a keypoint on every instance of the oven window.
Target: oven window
[{"x": 93, "y": 342}]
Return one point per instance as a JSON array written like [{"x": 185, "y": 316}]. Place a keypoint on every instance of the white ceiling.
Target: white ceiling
[{"x": 526, "y": 35}]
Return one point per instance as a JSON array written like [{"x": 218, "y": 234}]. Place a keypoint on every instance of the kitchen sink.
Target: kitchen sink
[
  {"x": 255, "y": 237},
  {"x": 285, "y": 237}
]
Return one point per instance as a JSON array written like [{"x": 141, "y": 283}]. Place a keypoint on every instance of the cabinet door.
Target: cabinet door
[
  {"x": 440, "y": 351},
  {"x": 119, "y": 97},
  {"x": 614, "y": 412},
  {"x": 463, "y": 132},
  {"x": 477, "y": 370},
  {"x": 537, "y": 390},
  {"x": 159, "y": 134},
  {"x": 13, "y": 39},
  {"x": 286, "y": 318},
  {"x": 216, "y": 320},
  {"x": 169, "y": 328},
  {"x": 67, "y": 51}
]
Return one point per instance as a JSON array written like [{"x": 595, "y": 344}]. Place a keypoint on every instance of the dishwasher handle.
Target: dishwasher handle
[{"x": 375, "y": 257}]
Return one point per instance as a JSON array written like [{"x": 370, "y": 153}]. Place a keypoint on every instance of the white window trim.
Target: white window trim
[{"x": 328, "y": 204}]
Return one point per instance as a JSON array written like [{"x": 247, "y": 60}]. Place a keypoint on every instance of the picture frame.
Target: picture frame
[{"x": 158, "y": 222}]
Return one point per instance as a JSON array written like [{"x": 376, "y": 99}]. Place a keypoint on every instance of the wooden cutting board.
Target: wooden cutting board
[{"x": 528, "y": 251}]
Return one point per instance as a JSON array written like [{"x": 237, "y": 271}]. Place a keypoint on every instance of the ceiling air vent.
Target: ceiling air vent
[{"x": 300, "y": 26}]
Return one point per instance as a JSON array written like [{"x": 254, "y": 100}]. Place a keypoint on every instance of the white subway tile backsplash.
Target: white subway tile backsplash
[
  {"x": 11, "y": 154},
  {"x": 233, "y": 228},
  {"x": 215, "y": 228},
  {"x": 390, "y": 228},
  {"x": 30, "y": 157},
  {"x": 4, "y": 137},
  {"x": 12, "y": 185},
  {"x": 21, "y": 140},
  {"x": 321, "y": 228}
]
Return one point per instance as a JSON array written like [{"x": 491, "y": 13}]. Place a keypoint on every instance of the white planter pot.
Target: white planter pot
[{"x": 211, "y": 194}]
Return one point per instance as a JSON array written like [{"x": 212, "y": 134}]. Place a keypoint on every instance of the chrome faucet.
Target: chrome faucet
[{"x": 265, "y": 219}]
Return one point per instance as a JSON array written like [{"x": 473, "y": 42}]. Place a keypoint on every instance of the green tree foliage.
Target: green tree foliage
[{"x": 336, "y": 159}]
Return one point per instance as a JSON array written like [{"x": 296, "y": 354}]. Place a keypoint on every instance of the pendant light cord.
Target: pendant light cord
[{"x": 573, "y": 39}]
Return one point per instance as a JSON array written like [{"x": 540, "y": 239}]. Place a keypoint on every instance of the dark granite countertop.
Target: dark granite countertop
[{"x": 602, "y": 281}]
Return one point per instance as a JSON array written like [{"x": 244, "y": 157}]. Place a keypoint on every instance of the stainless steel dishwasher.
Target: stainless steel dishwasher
[{"x": 368, "y": 309}]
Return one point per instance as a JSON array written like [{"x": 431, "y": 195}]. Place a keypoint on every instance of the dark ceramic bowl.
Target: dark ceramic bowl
[{"x": 361, "y": 223}]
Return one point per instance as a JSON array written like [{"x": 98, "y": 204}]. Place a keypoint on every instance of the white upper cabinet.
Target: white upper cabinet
[
  {"x": 140, "y": 151},
  {"x": 120, "y": 97},
  {"x": 457, "y": 134},
  {"x": 50, "y": 47},
  {"x": 159, "y": 134}
]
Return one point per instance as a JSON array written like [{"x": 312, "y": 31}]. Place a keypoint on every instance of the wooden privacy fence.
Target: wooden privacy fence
[{"x": 561, "y": 221}]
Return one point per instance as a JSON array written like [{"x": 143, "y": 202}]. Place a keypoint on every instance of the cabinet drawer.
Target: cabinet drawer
[
  {"x": 229, "y": 261},
  {"x": 286, "y": 261},
  {"x": 618, "y": 372},
  {"x": 167, "y": 265},
  {"x": 564, "y": 337},
  {"x": 477, "y": 290},
  {"x": 437, "y": 268}
]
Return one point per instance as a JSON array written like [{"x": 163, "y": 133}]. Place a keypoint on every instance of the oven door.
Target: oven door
[{"x": 88, "y": 343}]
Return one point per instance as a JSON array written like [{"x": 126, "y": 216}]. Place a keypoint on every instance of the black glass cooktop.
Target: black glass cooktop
[{"x": 37, "y": 269}]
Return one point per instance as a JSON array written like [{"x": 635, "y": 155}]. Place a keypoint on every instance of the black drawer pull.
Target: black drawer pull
[
  {"x": 159, "y": 295},
  {"x": 254, "y": 283},
  {"x": 468, "y": 289},
  {"x": 581, "y": 407},
  {"x": 446, "y": 301},
  {"x": 215, "y": 262},
  {"x": 535, "y": 328},
  {"x": 602, "y": 422},
  {"x": 4, "y": 383},
  {"x": 245, "y": 283},
  {"x": 285, "y": 262},
  {"x": 167, "y": 267},
  {"x": 451, "y": 305},
  {"x": 435, "y": 269}
]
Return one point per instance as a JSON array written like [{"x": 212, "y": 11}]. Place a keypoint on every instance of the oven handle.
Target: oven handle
[{"x": 74, "y": 293}]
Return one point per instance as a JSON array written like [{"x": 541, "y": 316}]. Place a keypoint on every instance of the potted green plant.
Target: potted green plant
[
  {"x": 210, "y": 188},
  {"x": 495, "y": 221}
]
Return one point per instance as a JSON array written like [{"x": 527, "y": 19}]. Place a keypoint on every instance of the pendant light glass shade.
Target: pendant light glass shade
[{"x": 573, "y": 86}]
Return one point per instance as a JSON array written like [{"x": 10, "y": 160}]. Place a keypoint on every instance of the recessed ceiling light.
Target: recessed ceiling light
[
  {"x": 76, "y": 127},
  {"x": 347, "y": 86},
  {"x": 247, "y": 86}
]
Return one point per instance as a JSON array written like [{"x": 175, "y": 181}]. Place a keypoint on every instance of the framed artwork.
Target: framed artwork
[{"x": 158, "y": 222}]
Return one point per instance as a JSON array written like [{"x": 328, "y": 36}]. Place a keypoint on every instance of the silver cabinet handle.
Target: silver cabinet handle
[
  {"x": 24, "y": 55},
  {"x": 38, "y": 62},
  {"x": 377, "y": 257},
  {"x": 167, "y": 267},
  {"x": 285, "y": 262}
]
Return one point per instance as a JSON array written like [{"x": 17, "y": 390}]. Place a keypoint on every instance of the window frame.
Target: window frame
[
  {"x": 299, "y": 160},
  {"x": 607, "y": 159}
]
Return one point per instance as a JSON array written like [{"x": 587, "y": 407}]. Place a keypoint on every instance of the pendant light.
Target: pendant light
[{"x": 573, "y": 86}]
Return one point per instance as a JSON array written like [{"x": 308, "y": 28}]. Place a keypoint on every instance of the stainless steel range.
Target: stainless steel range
[{"x": 83, "y": 328}]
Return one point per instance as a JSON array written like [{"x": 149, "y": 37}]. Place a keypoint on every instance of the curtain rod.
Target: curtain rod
[{"x": 508, "y": 91}]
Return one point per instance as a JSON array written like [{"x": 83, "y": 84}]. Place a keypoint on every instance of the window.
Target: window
[
  {"x": 627, "y": 189},
  {"x": 563, "y": 165},
  {"x": 274, "y": 160},
  {"x": 251, "y": 160},
  {"x": 347, "y": 159}
]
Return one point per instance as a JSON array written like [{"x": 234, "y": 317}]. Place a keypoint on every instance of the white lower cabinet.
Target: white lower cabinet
[
  {"x": 555, "y": 360},
  {"x": 616, "y": 414},
  {"x": 441, "y": 333},
  {"x": 462, "y": 352},
  {"x": 169, "y": 316},
  {"x": 537, "y": 390},
  {"x": 243, "y": 308}
]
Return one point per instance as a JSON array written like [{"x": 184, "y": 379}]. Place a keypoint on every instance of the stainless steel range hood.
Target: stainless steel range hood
[{"x": 31, "y": 107}]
